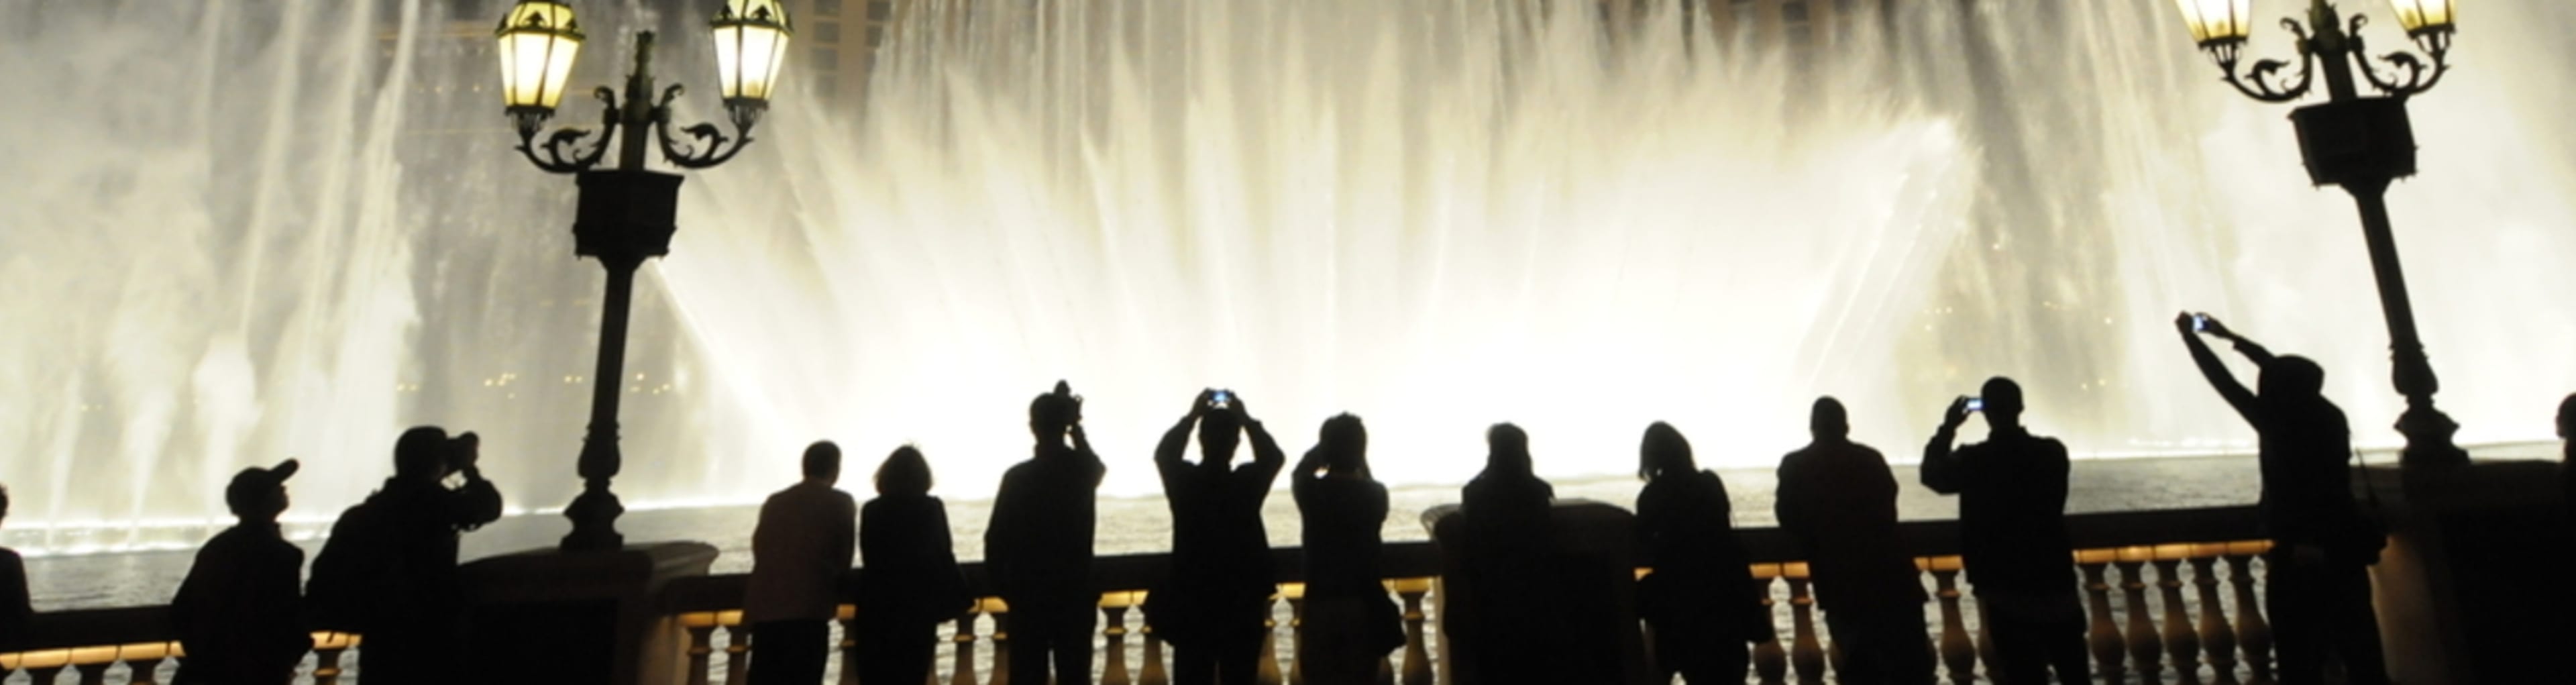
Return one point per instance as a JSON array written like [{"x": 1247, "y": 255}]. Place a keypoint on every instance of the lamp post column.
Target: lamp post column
[
  {"x": 2363, "y": 144},
  {"x": 626, "y": 216}
]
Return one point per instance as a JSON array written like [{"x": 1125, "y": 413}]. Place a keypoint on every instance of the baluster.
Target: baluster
[
  {"x": 2105, "y": 633},
  {"x": 2181, "y": 642},
  {"x": 1296, "y": 593},
  {"x": 1113, "y": 609},
  {"x": 965, "y": 643},
  {"x": 2145, "y": 650},
  {"x": 1985, "y": 634},
  {"x": 147, "y": 671},
  {"x": 1956, "y": 651},
  {"x": 701, "y": 632},
  {"x": 1154, "y": 674},
  {"x": 94, "y": 673},
  {"x": 2252, "y": 634},
  {"x": 1770, "y": 662},
  {"x": 1417, "y": 651},
  {"x": 848, "y": 616},
  {"x": 1269, "y": 673},
  {"x": 45, "y": 675},
  {"x": 2215, "y": 637},
  {"x": 329, "y": 646},
  {"x": 1806, "y": 657},
  {"x": 737, "y": 653}
]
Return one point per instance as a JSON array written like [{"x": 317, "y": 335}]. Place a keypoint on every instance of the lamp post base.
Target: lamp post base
[
  {"x": 594, "y": 520},
  {"x": 2428, "y": 437}
]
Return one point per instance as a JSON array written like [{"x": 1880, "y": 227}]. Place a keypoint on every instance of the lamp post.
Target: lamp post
[
  {"x": 627, "y": 213},
  {"x": 2360, "y": 143}
]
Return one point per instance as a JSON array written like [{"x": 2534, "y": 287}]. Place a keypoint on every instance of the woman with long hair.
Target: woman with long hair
[
  {"x": 908, "y": 580},
  {"x": 1700, "y": 599}
]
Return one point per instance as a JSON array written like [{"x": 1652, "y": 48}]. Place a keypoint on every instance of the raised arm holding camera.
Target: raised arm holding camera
[
  {"x": 2317, "y": 586},
  {"x": 388, "y": 570},
  {"x": 2012, "y": 534},
  {"x": 1213, "y": 606},
  {"x": 1037, "y": 549}
]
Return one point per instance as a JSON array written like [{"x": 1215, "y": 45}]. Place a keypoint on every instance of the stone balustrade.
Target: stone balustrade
[{"x": 2171, "y": 597}]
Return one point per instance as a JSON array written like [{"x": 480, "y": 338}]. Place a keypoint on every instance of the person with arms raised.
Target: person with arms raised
[
  {"x": 1349, "y": 624},
  {"x": 1214, "y": 608},
  {"x": 2012, "y": 535},
  {"x": 1037, "y": 549},
  {"x": 2316, "y": 583}
]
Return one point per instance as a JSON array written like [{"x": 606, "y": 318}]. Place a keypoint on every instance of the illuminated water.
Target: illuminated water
[{"x": 235, "y": 231}]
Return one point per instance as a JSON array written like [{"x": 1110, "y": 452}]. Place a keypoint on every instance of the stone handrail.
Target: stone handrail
[{"x": 2158, "y": 605}]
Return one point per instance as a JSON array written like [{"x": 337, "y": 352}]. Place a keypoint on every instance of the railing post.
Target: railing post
[
  {"x": 148, "y": 672},
  {"x": 1806, "y": 657},
  {"x": 1269, "y": 673},
  {"x": 2252, "y": 633},
  {"x": 1417, "y": 649},
  {"x": 2215, "y": 636},
  {"x": 1296, "y": 635},
  {"x": 1770, "y": 662},
  {"x": 1957, "y": 652},
  {"x": 2144, "y": 647},
  {"x": 1154, "y": 669},
  {"x": 93, "y": 673},
  {"x": 2105, "y": 636},
  {"x": 329, "y": 646},
  {"x": 2181, "y": 642},
  {"x": 964, "y": 642},
  {"x": 700, "y": 648},
  {"x": 1113, "y": 611},
  {"x": 848, "y": 617},
  {"x": 737, "y": 654}
]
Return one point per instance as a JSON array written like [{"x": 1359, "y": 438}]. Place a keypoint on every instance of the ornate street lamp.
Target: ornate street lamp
[
  {"x": 627, "y": 213},
  {"x": 2359, "y": 143}
]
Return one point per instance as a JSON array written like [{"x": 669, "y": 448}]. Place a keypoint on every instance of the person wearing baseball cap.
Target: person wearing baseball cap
[{"x": 239, "y": 613}]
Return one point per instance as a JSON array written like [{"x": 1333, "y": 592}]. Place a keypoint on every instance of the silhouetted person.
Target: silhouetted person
[
  {"x": 2567, "y": 458},
  {"x": 1839, "y": 498},
  {"x": 240, "y": 613},
  {"x": 909, "y": 581},
  {"x": 2317, "y": 579},
  {"x": 1350, "y": 623},
  {"x": 799, "y": 550},
  {"x": 388, "y": 570},
  {"x": 1038, "y": 547},
  {"x": 1213, "y": 607},
  {"x": 2012, "y": 536},
  {"x": 15, "y": 610},
  {"x": 1508, "y": 542},
  {"x": 1701, "y": 599}
]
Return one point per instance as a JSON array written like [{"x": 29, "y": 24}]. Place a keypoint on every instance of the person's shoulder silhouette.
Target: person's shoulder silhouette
[{"x": 15, "y": 609}]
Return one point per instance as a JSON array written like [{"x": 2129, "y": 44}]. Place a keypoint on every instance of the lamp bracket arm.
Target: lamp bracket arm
[
  {"x": 2410, "y": 74},
  {"x": 713, "y": 147},
  {"x": 2264, "y": 81},
  {"x": 563, "y": 153}
]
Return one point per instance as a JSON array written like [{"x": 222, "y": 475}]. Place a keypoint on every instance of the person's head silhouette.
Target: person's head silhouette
[
  {"x": 823, "y": 462},
  {"x": 1827, "y": 422},
  {"x": 1051, "y": 414},
  {"x": 4, "y": 503},
  {"x": 258, "y": 495},
  {"x": 2566, "y": 427},
  {"x": 2002, "y": 399},
  {"x": 2291, "y": 377},
  {"x": 1508, "y": 450},
  {"x": 1664, "y": 451},
  {"x": 904, "y": 473},
  {"x": 1344, "y": 442},
  {"x": 421, "y": 454}
]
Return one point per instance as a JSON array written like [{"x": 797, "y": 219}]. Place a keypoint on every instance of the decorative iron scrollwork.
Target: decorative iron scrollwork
[{"x": 2412, "y": 75}]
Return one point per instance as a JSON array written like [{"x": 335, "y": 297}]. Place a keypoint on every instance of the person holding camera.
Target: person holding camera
[
  {"x": 2317, "y": 579},
  {"x": 389, "y": 571},
  {"x": 1214, "y": 606},
  {"x": 1037, "y": 548},
  {"x": 2012, "y": 535},
  {"x": 1350, "y": 623}
]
